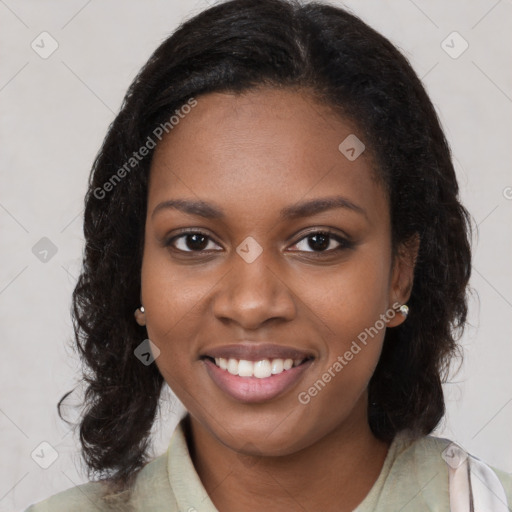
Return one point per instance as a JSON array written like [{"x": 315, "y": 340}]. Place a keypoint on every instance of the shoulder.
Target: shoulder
[
  {"x": 420, "y": 464},
  {"x": 417, "y": 478},
  {"x": 506, "y": 482},
  {"x": 82, "y": 497},
  {"x": 150, "y": 489},
  {"x": 437, "y": 447}
]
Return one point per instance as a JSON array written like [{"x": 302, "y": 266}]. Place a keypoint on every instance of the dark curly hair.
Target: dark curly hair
[{"x": 236, "y": 46}]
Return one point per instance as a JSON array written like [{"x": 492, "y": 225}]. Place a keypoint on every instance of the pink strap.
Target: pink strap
[
  {"x": 458, "y": 474},
  {"x": 474, "y": 486}
]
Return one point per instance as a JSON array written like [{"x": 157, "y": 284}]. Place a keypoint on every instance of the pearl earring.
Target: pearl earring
[
  {"x": 142, "y": 309},
  {"x": 404, "y": 310}
]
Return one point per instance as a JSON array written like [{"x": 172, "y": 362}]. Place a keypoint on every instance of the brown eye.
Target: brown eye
[
  {"x": 322, "y": 241},
  {"x": 190, "y": 241},
  {"x": 196, "y": 242},
  {"x": 319, "y": 241}
]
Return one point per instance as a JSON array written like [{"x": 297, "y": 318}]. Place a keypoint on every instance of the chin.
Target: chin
[{"x": 270, "y": 435}]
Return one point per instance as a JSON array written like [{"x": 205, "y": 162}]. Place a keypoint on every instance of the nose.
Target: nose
[{"x": 253, "y": 293}]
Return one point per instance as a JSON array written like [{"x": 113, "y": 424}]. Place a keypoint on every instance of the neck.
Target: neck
[{"x": 333, "y": 474}]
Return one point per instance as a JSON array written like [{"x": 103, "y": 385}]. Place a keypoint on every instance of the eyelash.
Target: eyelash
[{"x": 344, "y": 242}]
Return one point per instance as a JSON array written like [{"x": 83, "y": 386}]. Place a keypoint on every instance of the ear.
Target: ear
[
  {"x": 403, "y": 276},
  {"x": 140, "y": 317}
]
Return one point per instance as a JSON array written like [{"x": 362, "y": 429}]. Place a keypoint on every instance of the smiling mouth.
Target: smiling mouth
[{"x": 260, "y": 369}]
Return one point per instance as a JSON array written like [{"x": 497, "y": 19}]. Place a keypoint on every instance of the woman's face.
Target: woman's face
[{"x": 241, "y": 268}]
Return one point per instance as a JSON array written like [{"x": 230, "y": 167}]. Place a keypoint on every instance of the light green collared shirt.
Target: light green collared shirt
[{"x": 414, "y": 478}]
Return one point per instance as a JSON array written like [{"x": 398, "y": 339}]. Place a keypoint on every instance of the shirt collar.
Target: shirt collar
[
  {"x": 188, "y": 489},
  {"x": 191, "y": 496}
]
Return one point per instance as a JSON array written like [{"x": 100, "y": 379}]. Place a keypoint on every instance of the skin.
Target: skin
[{"x": 252, "y": 155}]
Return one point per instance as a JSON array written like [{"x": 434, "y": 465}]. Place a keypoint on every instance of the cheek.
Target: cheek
[
  {"x": 350, "y": 297},
  {"x": 170, "y": 291},
  {"x": 348, "y": 304},
  {"x": 172, "y": 300},
  {"x": 173, "y": 319}
]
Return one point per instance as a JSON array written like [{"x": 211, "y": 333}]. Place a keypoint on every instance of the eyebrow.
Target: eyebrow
[{"x": 299, "y": 210}]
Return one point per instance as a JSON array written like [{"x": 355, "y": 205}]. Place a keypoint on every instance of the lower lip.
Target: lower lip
[{"x": 253, "y": 389}]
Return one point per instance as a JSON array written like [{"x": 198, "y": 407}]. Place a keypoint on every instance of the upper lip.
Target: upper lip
[{"x": 251, "y": 351}]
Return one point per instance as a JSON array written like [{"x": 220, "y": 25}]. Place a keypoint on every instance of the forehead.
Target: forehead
[{"x": 262, "y": 148}]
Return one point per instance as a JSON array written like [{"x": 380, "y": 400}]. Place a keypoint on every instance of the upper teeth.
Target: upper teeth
[{"x": 260, "y": 369}]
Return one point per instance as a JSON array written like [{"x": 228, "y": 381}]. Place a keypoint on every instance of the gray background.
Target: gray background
[{"x": 55, "y": 112}]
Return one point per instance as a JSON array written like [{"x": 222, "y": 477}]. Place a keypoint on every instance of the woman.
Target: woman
[{"x": 273, "y": 229}]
